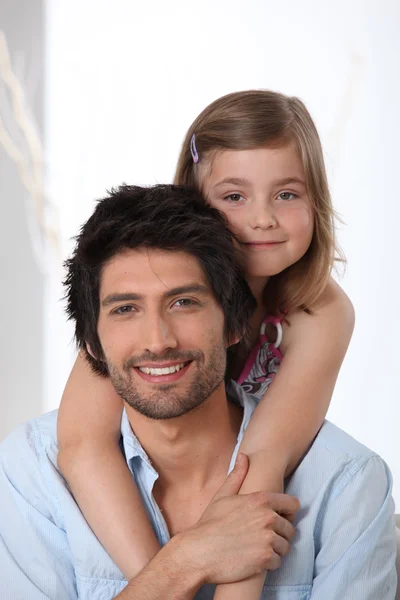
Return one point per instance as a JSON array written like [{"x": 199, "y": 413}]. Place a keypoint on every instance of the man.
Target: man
[{"x": 153, "y": 284}]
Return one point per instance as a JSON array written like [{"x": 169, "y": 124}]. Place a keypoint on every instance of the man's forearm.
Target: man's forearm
[{"x": 169, "y": 575}]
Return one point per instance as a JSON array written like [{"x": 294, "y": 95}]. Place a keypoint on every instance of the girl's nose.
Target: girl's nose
[{"x": 263, "y": 217}]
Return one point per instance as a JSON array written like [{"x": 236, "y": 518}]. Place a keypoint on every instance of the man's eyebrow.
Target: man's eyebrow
[
  {"x": 191, "y": 288},
  {"x": 113, "y": 298}
]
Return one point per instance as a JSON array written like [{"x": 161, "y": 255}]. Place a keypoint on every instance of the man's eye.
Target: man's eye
[
  {"x": 233, "y": 197},
  {"x": 185, "y": 302},
  {"x": 123, "y": 310},
  {"x": 287, "y": 196}
]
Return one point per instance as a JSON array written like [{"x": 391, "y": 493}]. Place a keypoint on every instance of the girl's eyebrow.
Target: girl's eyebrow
[
  {"x": 233, "y": 181},
  {"x": 245, "y": 182},
  {"x": 289, "y": 180}
]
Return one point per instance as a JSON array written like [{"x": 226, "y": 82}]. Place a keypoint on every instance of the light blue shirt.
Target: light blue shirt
[{"x": 344, "y": 547}]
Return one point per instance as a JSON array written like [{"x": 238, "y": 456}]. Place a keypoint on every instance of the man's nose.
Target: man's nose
[{"x": 158, "y": 335}]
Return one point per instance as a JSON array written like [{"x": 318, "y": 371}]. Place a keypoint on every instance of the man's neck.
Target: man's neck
[{"x": 193, "y": 449}]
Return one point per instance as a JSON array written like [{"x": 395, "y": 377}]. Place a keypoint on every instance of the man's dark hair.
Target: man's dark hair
[{"x": 166, "y": 217}]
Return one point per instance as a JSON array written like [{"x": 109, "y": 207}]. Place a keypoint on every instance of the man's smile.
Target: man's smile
[{"x": 163, "y": 373}]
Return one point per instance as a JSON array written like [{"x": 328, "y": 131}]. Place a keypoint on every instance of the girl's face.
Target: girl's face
[{"x": 263, "y": 195}]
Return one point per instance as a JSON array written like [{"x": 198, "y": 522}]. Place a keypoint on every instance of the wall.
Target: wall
[{"x": 22, "y": 280}]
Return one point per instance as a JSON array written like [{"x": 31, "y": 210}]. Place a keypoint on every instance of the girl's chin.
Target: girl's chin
[
  {"x": 259, "y": 269},
  {"x": 260, "y": 272},
  {"x": 258, "y": 275}
]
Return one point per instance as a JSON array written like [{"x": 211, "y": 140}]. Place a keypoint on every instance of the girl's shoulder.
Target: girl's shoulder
[{"x": 332, "y": 314}]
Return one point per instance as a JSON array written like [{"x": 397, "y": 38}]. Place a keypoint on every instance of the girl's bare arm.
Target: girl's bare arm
[
  {"x": 91, "y": 461},
  {"x": 287, "y": 420}
]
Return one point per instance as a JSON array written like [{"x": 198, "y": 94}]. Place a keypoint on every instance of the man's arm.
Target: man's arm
[
  {"x": 34, "y": 552},
  {"x": 356, "y": 543},
  {"x": 35, "y": 557},
  {"x": 168, "y": 576}
]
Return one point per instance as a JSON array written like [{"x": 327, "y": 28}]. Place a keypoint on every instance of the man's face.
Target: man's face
[{"x": 161, "y": 330}]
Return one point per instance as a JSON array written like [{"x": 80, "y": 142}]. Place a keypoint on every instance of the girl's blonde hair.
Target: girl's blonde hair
[{"x": 261, "y": 118}]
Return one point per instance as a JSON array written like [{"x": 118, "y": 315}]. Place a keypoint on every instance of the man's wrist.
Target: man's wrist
[
  {"x": 182, "y": 551},
  {"x": 171, "y": 574}
]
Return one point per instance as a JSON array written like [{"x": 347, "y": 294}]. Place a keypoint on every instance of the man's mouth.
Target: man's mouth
[
  {"x": 163, "y": 373},
  {"x": 163, "y": 370}
]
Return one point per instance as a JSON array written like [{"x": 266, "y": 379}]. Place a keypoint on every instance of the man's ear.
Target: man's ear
[
  {"x": 232, "y": 340},
  {"x": 89, "y": 351},
  {"x": 98, "y": 365}
]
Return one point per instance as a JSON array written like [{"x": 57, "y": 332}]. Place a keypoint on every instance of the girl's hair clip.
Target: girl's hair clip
[{"x": 193, "y": 149}]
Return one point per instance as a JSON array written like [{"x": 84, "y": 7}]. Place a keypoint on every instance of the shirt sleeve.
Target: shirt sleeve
[
  {"x": 35, "y": 560},
  {"x": 355, "y": 540}
]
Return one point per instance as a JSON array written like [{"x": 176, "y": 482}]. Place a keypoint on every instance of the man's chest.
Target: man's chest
[
  {"x": 181, "y": 511},
  {"x": 98, "y": 578}
]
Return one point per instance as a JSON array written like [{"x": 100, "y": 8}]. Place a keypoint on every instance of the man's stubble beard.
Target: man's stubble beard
[{"x": 166, "y": 402}]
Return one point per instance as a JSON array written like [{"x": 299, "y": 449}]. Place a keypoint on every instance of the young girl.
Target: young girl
[{"x": 257, "y": 157}]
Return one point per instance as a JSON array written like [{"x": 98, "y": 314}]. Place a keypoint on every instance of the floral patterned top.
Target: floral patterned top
[{"x": 264, "y": 360}]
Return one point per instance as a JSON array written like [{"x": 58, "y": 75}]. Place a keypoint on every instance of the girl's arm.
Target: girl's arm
[
  {"x": 89, "y": 426},
  {"x": 286, "y": 422}
]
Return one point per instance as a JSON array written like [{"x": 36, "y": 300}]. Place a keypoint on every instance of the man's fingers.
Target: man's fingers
[
  {"x": 283, "y": 504},
  {"x": 280, "y": 546},
  {"x": 284, "y": 528},
  {"x": 290, "y": 518},
  {"x": 274, "y": 562},
  {"x": 234, "y": 481}
]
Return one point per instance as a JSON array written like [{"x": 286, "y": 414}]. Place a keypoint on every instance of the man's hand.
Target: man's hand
[
  {"x": 237, "y": 537},
  {"x": 240, "y": 536}
]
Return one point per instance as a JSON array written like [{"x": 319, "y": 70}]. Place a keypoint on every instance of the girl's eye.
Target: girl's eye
[
  {"x": 233, "y": 197},
  {"x": 287, "y": 196},
  {"x": 185, "y": 302},
  {"x": 123, "y": 310}
]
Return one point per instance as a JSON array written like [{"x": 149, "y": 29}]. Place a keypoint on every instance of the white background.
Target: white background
[{"x": 124, "y": 81}]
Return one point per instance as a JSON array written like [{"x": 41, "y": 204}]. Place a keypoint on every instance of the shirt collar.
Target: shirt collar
[{"x": 132, "y": 447}]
